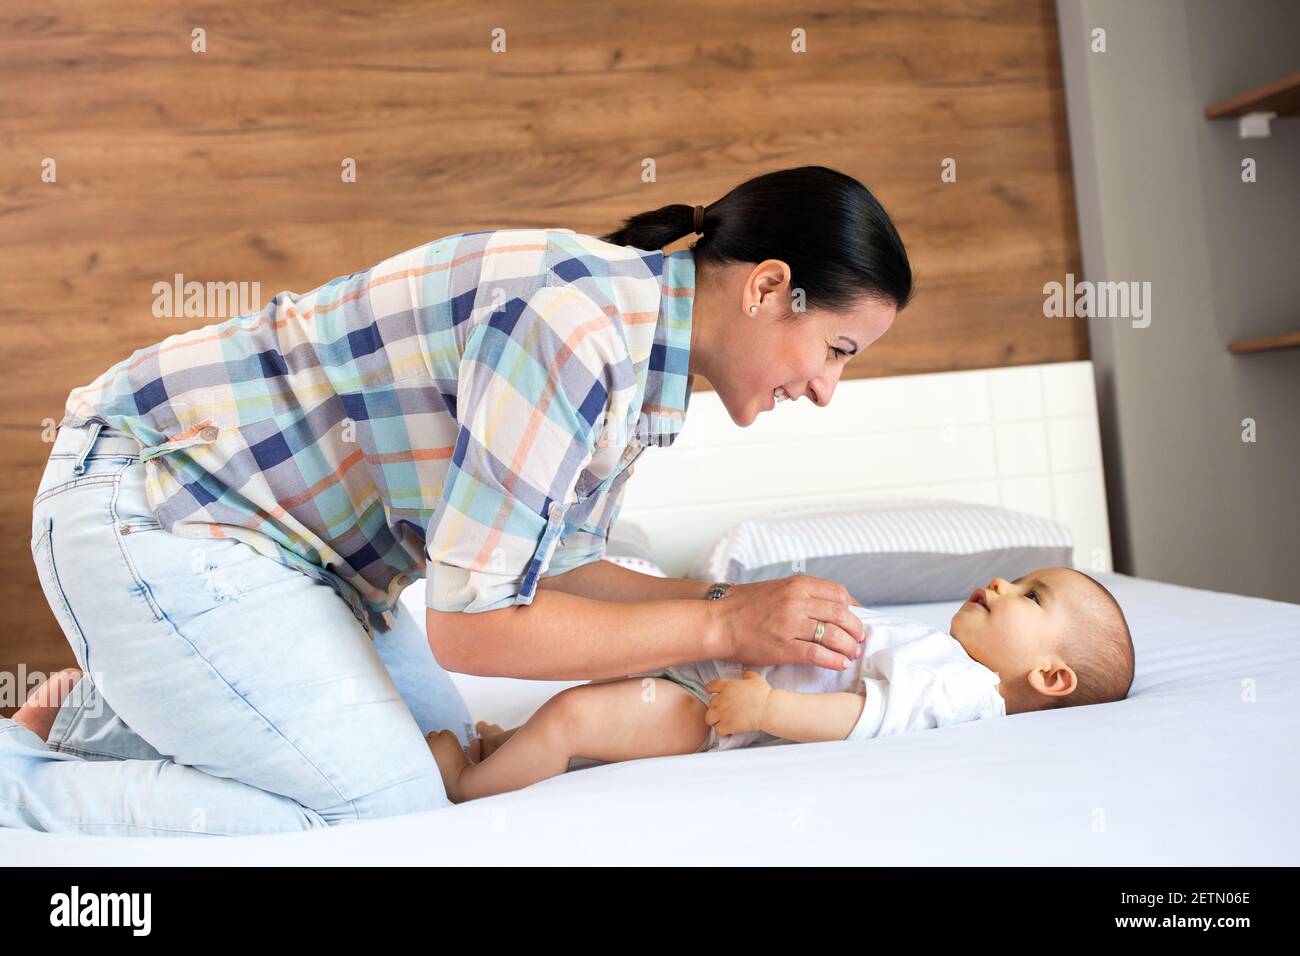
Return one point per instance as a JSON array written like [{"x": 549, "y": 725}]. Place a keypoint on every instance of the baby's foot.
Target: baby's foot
[
  {"x": 492, "y": 737},
  {"x": 39, "y": 710},
  {"x": 451, "y": 759}
]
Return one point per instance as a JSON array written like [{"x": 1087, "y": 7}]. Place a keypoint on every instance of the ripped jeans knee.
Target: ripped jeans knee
[{"x": 219, "y": 583}]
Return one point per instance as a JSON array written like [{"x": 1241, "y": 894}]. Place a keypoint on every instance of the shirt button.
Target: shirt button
[{"x": 209, "y": 433}]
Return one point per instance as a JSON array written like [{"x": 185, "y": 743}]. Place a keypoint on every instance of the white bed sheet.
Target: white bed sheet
[{"x": 1199, "y": 766}]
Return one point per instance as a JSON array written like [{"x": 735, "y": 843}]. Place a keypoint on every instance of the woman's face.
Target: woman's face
[{"x": 747, "y": 355}]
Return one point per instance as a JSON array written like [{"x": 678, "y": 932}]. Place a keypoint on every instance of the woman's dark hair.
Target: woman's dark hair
[{"x": 837, "y": 239}]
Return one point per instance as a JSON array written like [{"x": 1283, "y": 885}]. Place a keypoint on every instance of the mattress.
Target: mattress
[{"x": 1199, "y": 766}]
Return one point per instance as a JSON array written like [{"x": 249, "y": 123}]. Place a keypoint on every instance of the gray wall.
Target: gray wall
[{"x": 1160, "y": 199}]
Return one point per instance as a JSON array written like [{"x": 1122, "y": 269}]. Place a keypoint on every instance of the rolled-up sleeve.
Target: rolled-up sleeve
[
  {"x": 581, "y": 547},
  {"x": 532, "y": 399},
  {"x": 589, "y": 539}
]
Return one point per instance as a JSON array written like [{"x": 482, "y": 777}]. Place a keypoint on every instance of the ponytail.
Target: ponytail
[{"x": 837, "y": 239}]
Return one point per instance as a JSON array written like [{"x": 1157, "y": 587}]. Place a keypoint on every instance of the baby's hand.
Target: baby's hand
[{"x": 737, "y": 705}]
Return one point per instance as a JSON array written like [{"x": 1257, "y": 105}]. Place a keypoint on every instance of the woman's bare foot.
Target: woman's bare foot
[
  {"x": 451, "y": 759},
  {"x": 41, "y": 707}
]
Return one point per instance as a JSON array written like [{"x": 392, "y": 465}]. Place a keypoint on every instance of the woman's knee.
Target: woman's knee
[{"x": 421, "y": 791}]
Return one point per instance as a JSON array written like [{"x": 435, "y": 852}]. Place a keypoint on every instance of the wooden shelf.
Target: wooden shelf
[
  {"x": 1281, "y": 97},
  {"x": 1288, "y": 340}
]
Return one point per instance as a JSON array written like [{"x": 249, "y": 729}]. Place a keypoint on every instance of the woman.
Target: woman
[{"x": 228, "y": 517}]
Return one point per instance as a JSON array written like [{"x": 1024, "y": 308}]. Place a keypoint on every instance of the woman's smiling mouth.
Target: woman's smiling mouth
[{"x": 777, "y": 397}]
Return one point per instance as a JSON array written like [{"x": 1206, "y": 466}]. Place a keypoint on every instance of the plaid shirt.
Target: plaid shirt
[{"x": 466, "y": 411}]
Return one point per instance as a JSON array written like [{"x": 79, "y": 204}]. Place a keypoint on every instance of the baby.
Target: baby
[{"x": 1053, "y": 638}]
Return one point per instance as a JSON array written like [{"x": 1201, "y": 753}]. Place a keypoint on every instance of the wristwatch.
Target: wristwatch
[{"x": 717, "y": 590}]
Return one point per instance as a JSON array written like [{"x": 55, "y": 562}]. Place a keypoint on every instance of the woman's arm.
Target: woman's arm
[
  {"x": 562, "y": 636},
  {"x": 606, "y": 581}
]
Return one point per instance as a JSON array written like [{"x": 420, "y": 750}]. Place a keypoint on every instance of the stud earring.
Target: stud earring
[{"x": 753, "y": 308}]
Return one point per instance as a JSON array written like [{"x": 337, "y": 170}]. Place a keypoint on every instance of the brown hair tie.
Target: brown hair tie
[{"x": 699, "y": 219}]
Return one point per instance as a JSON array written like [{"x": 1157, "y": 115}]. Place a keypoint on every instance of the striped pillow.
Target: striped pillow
[{"x": 907, "y": 551}]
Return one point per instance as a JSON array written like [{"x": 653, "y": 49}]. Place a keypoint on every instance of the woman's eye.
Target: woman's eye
[{"x": 840, "y": 352}]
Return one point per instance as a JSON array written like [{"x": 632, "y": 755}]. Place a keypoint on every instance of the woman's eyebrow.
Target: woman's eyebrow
[{"x": 851, "y": 342}]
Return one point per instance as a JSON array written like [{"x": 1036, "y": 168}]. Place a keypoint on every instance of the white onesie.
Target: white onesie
[{"x": 914, "y": 678}]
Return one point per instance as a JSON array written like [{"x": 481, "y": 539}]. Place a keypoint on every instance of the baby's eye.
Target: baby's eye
[{"x": 1033, "y": 595}]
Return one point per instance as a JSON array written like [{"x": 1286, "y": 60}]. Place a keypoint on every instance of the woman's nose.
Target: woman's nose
[{"x": 821, "y": 389}]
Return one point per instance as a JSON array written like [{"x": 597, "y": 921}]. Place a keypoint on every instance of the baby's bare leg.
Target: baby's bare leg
[
  {"x": 607, "y": 721},
  {"x": 491, "y": 737}
]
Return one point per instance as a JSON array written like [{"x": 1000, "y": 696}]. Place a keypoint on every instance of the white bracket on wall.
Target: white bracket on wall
[{"x": 1254, "y": 125}]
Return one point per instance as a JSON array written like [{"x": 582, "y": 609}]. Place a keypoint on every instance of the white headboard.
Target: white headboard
[{"x": 1023, "y": 437}]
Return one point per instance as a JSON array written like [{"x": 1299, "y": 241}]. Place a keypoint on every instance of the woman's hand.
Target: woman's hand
[{"x": 773, "y": 622}]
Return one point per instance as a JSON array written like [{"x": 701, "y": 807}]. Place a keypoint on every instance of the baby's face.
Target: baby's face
[{"x": 1011, "y": 626}]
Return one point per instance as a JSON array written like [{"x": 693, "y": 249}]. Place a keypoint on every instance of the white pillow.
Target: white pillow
[{"x": 908, "y": 551}]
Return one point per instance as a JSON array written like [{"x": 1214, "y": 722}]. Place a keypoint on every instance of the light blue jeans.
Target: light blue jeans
[{"x": 223, "y": 693}]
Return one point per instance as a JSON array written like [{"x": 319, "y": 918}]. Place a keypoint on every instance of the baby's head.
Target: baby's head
[{"x": 1056, "y": 637}]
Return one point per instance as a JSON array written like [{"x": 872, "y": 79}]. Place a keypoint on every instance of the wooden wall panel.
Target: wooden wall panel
[{"x": 225, "y": 165}]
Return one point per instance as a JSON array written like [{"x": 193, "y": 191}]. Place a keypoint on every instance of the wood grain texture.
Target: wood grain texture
[{"x": 225, "y": 165}]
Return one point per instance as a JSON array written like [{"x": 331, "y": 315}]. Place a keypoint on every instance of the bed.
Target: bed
[{"x": 1199, "y": 766}]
